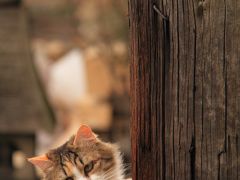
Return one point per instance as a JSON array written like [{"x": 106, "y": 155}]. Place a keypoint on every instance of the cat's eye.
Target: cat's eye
[
  {"x": 69, "y": 178},
  {"x": 88, "y": 167}
]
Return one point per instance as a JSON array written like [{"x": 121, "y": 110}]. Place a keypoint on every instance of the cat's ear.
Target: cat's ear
[
  {"x": 84, "y": 133},
  {"x": 42, "y": 162}
]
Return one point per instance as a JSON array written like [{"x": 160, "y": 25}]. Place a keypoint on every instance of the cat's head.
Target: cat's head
[{"x": 83, "y": 157}]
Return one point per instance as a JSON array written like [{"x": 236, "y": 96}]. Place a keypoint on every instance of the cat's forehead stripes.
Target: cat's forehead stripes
[
  {"x": 63, "y": 166},
  {"x": 74, "y": 157},
  {"x": 68, "y": 160}
]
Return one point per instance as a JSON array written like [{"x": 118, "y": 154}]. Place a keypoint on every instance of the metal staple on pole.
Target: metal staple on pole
[{"x": 160, "y": 13}]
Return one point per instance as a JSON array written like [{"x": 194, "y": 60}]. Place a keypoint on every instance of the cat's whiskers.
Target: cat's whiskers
[
  {"x": 109, "y": 170},
  {"x": 108, "y": 173},
  {"x": 111, "y": 174},
  {"x": 109, "y": 177}
]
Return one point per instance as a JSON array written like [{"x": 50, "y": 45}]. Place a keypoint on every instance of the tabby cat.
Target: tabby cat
[{"x": 83, "y": 157}]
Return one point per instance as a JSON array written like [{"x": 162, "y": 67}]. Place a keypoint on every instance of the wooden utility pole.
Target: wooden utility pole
[{"x": 185, "y": 89}]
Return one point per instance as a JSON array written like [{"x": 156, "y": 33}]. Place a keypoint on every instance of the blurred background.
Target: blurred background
[{"x": 62, "y": 63}]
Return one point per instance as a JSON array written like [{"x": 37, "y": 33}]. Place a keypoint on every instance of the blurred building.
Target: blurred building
[
  {"x": 80, "y": 56},
  {"x": 96, "y": 32},
  {"x": 22, "y": 108}
]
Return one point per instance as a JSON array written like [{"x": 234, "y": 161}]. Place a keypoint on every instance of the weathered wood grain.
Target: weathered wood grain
[
  {"x": 147, "y": 85},
  {"x": 185, "y": 89}
]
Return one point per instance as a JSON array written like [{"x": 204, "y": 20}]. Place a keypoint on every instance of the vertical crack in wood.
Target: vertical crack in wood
[
  {"x": 166, "y": 61},
  {"x": 237, "y": 155},
  {"x": 178, "y": 95},
  {"x": 225, "y": 94},
  {"x": 193, "y": 144},
  {"x": 192, "y": 152},
  {"x": 225, "y": 73},
  {"x": 225, "y": 85}
]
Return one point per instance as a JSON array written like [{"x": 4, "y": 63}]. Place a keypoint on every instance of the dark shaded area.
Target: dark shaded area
[
  {"x": 9, "y": 3},
  {"x": 10, "y": 144}
]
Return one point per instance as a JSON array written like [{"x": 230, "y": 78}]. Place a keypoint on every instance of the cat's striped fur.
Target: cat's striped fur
[{"x": 83, "y": 157}]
